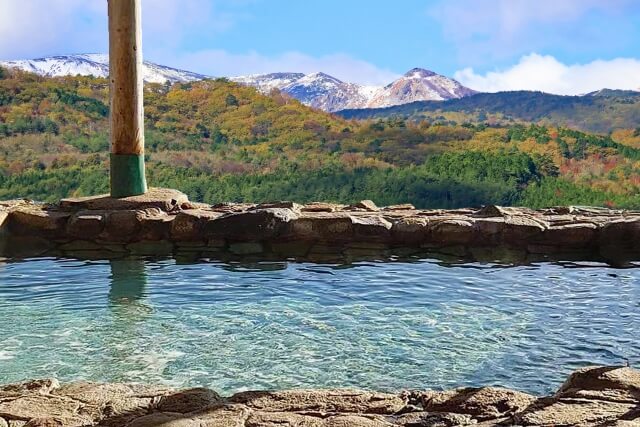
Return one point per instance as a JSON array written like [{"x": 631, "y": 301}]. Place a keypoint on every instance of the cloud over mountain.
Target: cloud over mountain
[{"x": 545, "y": 73}]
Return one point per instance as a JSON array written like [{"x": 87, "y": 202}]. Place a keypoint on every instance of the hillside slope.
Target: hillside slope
[
  {"x": 600, "y": 111},
  {"x": 221, "y": 141}
]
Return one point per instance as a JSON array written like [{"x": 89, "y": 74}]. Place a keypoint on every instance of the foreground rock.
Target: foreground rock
[
  {"x": 591, "y": 396},
  {"x": 596, "y": 396},
  {"x": 164, "y": 222}
]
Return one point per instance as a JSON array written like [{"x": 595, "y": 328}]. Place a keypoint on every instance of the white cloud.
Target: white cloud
[
  {"x": 34, "y": 27},
  {"x": 547, "y": 74},
  {"x": 486, "y": 30},
  {"x": 466, "y": 18},
  {"x": 223, "y": 63},
  {"x": 30, "y": 28},
  {"x": 168, "y": 23}
]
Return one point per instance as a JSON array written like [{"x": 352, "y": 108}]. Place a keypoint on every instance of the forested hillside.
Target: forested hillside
[
  {"x": 219, "y": 141},
  {"x": 602, "y": 111}
]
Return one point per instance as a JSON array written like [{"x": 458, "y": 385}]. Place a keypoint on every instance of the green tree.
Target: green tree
[{"x": 231, "y": 100}]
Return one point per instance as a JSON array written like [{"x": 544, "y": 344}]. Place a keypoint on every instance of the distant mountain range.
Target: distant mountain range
[
  {"x": 328, "y": 93},
  {"x": 318, "y": 90},
  {"x": 600, "y": 111},
  {"x": 417, "y": 92}
]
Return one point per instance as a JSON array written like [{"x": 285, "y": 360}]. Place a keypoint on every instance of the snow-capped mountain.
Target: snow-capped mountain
[
  {"x": 96, "y": 64},
  {"x": 320, "y": 90},
  {"x": 419, "y": 85}
]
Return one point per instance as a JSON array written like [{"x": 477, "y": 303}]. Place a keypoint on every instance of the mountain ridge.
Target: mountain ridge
[
  {"x": 318, "y": 90},
  {"x": 221, "y": 141},
  {"x": 601, "y": 111},
  {"x": 97, "y": 64},
  {"x": 328, "y": 93}
]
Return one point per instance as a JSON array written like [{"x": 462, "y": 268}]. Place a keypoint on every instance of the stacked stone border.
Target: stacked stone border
[{"x": 165, "y": 223}]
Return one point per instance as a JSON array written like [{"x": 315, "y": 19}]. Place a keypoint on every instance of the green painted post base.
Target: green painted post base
[{"x": 127, "y": 175}]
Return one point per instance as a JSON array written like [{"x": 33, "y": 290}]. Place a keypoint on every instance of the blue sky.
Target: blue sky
[{"x": 562, "y": 46}]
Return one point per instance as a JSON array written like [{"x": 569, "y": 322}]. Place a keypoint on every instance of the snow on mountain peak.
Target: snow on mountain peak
[
  {"x": 323, "y": 91},
  {"x": 322, "y": 76},
  {"x": 96, "y": 64},
  {"x": 101, "y": 58},
  {"x": 419, "y": 73},
  {"x": 418, "y": 84}
]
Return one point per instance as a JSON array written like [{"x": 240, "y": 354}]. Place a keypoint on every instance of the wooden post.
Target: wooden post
[{"x": 127, "y": 116}]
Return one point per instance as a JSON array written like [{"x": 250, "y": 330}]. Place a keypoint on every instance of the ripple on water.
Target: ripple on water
[{"x": 280, "y": 325}]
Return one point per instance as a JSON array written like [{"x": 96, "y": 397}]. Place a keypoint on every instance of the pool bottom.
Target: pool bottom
[{"x": 384, "y": 326}]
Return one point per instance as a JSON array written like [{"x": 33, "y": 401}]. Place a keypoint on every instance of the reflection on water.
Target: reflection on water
[
  {"x": 374, "y": 325},
  {"x": 254, "y": 266},
  {"x": 128, "y": 281}
]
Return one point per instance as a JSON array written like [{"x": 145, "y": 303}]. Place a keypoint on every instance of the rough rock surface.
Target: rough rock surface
[
  {"x": 595, "y": 396},
  {"x": 591, "y": 396},
  {"x": 321, "y": 401},
  {"x": 165, "y": 222},
  {"x": 481, "y": 403},
  {"x": 161, "y": 198}
]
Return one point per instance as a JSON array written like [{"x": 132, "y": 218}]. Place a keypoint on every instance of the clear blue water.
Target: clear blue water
[{"x": 384, "y": 326}]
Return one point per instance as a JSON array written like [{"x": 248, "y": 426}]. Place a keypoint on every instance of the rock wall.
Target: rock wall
[
  {"x": 593, "y": 396},
  {"x": 164, "y": 222}
]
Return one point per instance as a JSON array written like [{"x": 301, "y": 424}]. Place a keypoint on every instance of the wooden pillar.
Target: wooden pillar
[{"x": 127, "y": 116}]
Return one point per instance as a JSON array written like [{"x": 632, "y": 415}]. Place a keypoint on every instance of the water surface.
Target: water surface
[{"x": 384, "y": 326}]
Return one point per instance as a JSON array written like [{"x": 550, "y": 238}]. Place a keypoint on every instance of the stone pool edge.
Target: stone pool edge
[
  {"x": 164, "y": 222},
  {"x": 602, "y": 396}
]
